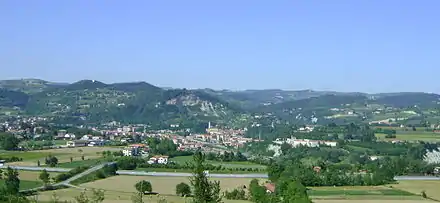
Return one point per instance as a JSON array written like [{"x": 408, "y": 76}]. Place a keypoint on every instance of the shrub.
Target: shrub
[
  {"x": 236, "y": 194},
  {"x": 143, "y": 186},
  {"x": 183, "y": 189}
]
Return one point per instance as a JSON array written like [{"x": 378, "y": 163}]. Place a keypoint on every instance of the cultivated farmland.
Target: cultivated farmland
[
  {"x": 30, "y": 158},
  {"x": 162, "y": 185}
]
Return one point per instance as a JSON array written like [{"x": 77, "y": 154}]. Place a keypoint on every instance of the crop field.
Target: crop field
[
  {"x": 232, "y": 164},
  {"x": 358, "y": 191},
  {"x": 119, "y": 197},
  {"x": 63, "y": 154},
  {"x": 33, "y": 175},
  {"x": 412, "y": 136},
  {"x": 29, "y": 179},
  {"x": 119, "y": 194},
  {"x": 162, "y": 185},
  {"x": 86, "y": 162},
  {"x": 39, "y": 142},
  {"x": 25, "y": 184},
  {"x": 431, "y": 187}
]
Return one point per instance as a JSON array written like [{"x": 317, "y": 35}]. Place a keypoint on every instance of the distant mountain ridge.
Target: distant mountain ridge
[{"x": 131, "y": 102}]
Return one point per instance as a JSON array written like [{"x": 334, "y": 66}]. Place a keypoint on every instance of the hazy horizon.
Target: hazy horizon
[{"x": 345, "y": 46}]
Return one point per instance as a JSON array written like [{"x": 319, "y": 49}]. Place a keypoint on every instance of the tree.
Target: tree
[
  {"x": 12, "y": 182},
  {"x": 285, "y": 148},
  {"x": 257, "y": 192},
  {"x": 97, "y": 197},
  {"x": 143, "y": 186},
  {"x": 137, "y": 198},
  {"x": 236, "y": 194},
  {"x": 205, "y": 191},
  {"x": 38, "y": 163},
  {"x": 55, "y": 198},
  {"x": 8, "y": 141},
  {"x": 82, "y": 198},
  {"x": 183, "y": 189},
  {"x": 52, "y": 161},
  {"x": 45, "y": 177},
  {"x": 295, "y": 192}
]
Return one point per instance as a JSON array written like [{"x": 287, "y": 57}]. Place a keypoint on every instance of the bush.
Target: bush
[
  {"x": 143, "y": 186},
  {"x": 390, "y": 136},
  {"x": 11, "y": 159},
  {"x": 128, "y": 163},
  {"x": 236, "y": 194},
  {"x": 183, "y": 189},
  {"x": 65, "y": 176},
  {"x": 424, "y": 194},
  {"x": 52, "y": 161}
]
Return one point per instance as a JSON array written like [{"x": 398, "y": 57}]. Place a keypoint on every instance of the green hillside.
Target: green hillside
[{"x": 90, "y": 101}]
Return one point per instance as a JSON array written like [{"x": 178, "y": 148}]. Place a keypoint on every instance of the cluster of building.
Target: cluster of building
[
  {"x": 142, "y": 150},
  {"x": 226, "y": 137},
  {"x": 305, "y": 142}
]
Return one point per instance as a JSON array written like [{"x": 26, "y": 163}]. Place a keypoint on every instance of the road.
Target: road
[
  {"x": 173, "y": 174},
  {"x": 84, "y": 173},
  {"x": 255, "y": 175},
  {"x": 66, "y": 182},
  {"x": 32, "y": 168}
]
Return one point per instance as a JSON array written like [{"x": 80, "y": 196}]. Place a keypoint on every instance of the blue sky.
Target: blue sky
[{"x": 343, "y": 45}]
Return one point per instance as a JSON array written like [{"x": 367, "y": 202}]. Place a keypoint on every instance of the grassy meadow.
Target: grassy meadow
[
  {"x": 120, "y": 189},
  {"x": 412, "y": 136},
  {"x": 30, "y": 158},
  {"x": 232, "y": 164}
]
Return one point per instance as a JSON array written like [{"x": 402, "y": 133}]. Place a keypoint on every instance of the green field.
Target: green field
[
  {"x": 412, "y": 136},
  {"x": 40, "y": 142},
  {"x": 25, "y": 184},
  {"x": 189, "y": 170},
  {"x": 74, "y": 164},
  {"x": 27, "y": 155},
  {"x": 232, "y": 164},
  {"x": 357, "y": 192}
]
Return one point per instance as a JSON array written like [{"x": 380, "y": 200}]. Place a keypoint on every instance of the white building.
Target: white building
[
  {"x": 96, "y": 143},
  {"x": 158, "y": 160},
  {"x": 130, "y": 151},
  {"x": 305, "y": 142},
  {"x": 77, "y": 143},
  {"x": 136, "y": 150}
]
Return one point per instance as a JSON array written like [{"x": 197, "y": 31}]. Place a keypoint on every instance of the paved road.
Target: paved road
[
  {"x": 416, "y": 178},
  {"x": 84, "y": 173},
  {"x": 255, "y": 175},
  {"x": 66, "y": 182},
  {"x": 34, "y": 168},
  {"x": 173, "y": 174},
  {"x": 143, "y": 173}
]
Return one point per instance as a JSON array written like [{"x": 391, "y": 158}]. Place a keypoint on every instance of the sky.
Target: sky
[{"x": 341, "y": 45}]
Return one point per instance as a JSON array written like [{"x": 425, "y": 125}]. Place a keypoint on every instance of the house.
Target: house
[
  {"x": 70, "y": 136},
  {"x": 136, "y": 150},
  {"x": 96, "y": 143},
  {"x": 317, "y": 169},
  {"x": 158, "y": 160},
  {"x": 2, "y": 162},
  {"x": 77, "y": 143},
  {"x": 130, "y": 151},
  {"x": 270, "y": 187}
]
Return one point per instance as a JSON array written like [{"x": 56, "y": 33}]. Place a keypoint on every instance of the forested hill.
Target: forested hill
[
  {"x": 136, "y": 102},
  {"x": 140, "y": 102}
]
